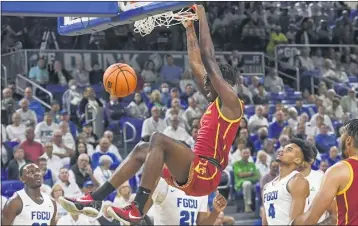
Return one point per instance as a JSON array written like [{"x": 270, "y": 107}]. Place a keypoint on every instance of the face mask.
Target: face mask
[
  {"x": 165, "y": 90},
  {"x": 147, "y": 89},
  {"x": 137, "y": 99},
  {"x": 73, "y": 87}
]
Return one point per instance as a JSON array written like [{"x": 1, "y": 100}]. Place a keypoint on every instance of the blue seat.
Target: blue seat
[
  {"x": 272, "y": 109},
  {"x": 269, "y": 117},
  {"x": 288, "y": 102},
  {"x": 273, "y": 95},
  {"x": 281, "y": 95},
  {"x": 353, "y": 78},
  {"x": 341, "y": 89},
  {"x": 12, "y": 143},
  {"x": 253, "y": 137},
  {"x": 274, "y": 101},
  {"x": 249, "y": 109},
  {"x": 10, "y": 186},
  {"x": 297, "y": 95}
]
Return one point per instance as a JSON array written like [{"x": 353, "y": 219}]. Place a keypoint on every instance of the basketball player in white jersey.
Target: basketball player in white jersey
[
  {"x": 171, "y": 206},
  {"x": 30, "y": 206},
  {"x": 314, "y": 178},
  {"x": 284, "y": 198}
]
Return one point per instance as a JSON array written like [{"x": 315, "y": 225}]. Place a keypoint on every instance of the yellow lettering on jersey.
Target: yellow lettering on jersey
[{"x": 201, "y": 168}]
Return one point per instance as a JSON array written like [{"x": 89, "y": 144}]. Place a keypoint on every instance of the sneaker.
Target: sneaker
[
  {"x": 127, "y": 215},
  {"x": 84, "y": 205}
]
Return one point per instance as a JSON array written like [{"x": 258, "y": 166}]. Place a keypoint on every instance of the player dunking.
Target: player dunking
[
  {"x": 314, "y": 178},
  {"x": 284, "y": 198},
  {"x": 30, "y": 206},
  {"x": 341, "y": 182},
  {"x": 197, "y": 172}
]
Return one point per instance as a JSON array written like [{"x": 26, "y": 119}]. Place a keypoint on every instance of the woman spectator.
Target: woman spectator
[
  {"x": 243, "y": 125},
  {"x": 102, "y": 173},
  {"x": 57, "y": 192},
  {"x": 137, "y": 108},
  {"x": 80, "y": 148},
  {"x": 155, "y": 100},
  {"x": 16, "y": 131},
  {"x": 148, "y": 74},
  {"x": 262, "y": 163},
  {"x": 90, "y": 99},
  {"x": 59, "y": 75},
  {"x": 89, "y": 147},
  {"x": 124, "y": 196}
]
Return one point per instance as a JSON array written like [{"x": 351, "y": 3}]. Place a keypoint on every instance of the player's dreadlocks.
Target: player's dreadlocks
[
  {"x": 229, "y": 73},
  {"x": 307, "y": 149},
  {"x": 352, "y": 130}
]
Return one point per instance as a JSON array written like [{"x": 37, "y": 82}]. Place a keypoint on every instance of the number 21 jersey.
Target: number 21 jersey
[{"x": 277, "y": 200}]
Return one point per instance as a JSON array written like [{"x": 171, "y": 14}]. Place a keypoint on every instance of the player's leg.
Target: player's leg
[
  {"x": 91, "y": 205},
  {"x": 162, "y": 149}
]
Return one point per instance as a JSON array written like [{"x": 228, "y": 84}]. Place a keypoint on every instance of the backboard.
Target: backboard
[{"x": 128, "y": 12}]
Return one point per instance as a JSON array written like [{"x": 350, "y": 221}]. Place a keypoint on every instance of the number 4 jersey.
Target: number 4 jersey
[
  {"x": 277, "y": 200},
  {"x": 32, "y": 213},
  {"x": 172, "y": 206}
]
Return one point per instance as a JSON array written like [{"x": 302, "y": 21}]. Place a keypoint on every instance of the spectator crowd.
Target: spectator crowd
[{"x": 75, "y": 159}]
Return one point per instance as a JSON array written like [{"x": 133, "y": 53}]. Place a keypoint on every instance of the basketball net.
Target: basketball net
[{"x": 167, "y": 19}]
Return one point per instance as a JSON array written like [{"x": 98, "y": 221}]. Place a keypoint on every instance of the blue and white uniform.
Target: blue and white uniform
[
  {"x": 172, "y": 206},
  {"x": 34, "y": 214},
  {"x": 277, "y": 200}
]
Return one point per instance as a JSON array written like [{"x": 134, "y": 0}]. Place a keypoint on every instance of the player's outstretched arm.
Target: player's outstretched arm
[
  {"x": 227, "y": 94},
  {"x": 196, "y": 64},
  {"x": 333, "y": 179},
  {"x": 299, "y": 190},
  {"x": 11, "y": 209}
]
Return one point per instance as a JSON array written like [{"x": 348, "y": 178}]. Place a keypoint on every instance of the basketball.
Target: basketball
[{"x": 120, "y": 80}]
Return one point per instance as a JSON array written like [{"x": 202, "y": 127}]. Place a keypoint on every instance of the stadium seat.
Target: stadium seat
[
  {"x": 257, "y": 199},
  {"x": 12, "y": 143},
  {"x": 353, "y": 78},
  {"x": 285, "y": 102},
  {"x": 249, "y": 110},
  {"x": 253, "y": 137},
  {"x": 272, "y": 109},
  {"x": 10, "y": 186}
]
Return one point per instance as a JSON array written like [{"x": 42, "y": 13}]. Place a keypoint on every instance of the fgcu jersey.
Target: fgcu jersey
[
  {"x": 277, "y": 200},
  {"x": 347, "y": 199},
  {"x": 173, "y": 207},
  {"x": 32, "y": 213},
  {"x": 314, "y": 179},
  {"x": 216, "y": 134}
]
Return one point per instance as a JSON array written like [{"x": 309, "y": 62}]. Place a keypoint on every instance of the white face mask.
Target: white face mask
[
  {"x": 73, "y": 87},
  {"x": 165, "y": 90}
]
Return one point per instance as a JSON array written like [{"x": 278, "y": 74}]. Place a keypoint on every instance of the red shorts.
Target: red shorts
[{"x": 203, "y": 179}]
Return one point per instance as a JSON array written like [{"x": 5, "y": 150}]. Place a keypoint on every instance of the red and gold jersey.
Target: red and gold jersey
[
  {"x": 216, "y": 134},
  {"x": 347, "y": 199}
]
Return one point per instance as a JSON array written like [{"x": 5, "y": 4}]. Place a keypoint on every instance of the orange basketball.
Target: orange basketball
[{"x": 120, "y": 80}]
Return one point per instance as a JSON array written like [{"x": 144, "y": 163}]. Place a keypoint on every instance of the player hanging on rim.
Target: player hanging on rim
[
  {"x": 30, "y": 206},
  {"x": 284, "y": 198},
  {"x": 196, "y": 172},
  {"x": 314, "y": 178},
  {"x": 341, "y": 182}
]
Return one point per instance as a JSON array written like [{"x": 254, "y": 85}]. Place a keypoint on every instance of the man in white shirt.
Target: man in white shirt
[
  {"x": 192, "y": 111},
  {"x": 112, "y": 148},
  {"x": 66, "y": 135},
  {"x": 16, "y": 131},
  {"x": 176, "y": 132},
  {"x": 326, "y": 119},
  {"x": 273, "y": 82},
  {"x": 28, "y": 116},
  {"x": 70, "y": 188},
  {"x": 60, "y": 148},
  {"x": 45, "y": 129},
  {"x": 305, "y": 60},
  {"x": 257, "y": 120},
  {"x": 153, "y": 124},
  {"x": 54, "y": 162}
]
